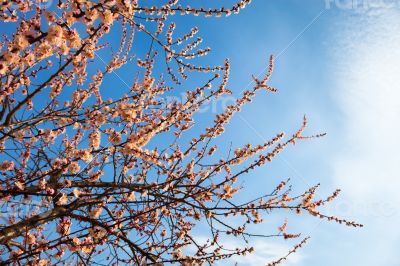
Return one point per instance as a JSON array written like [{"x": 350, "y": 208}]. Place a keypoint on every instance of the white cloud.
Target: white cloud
[
  {"x": 368, "y": 166},
  {"x": 265, "y": 252}
]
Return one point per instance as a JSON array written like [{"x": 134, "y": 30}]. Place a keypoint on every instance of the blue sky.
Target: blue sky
[{"x": 338, "y": 65}]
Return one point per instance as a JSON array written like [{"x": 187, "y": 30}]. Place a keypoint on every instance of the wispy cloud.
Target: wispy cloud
[
  {"x": 368, "y": 93},
  {"x": 265, "y": 252}
]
